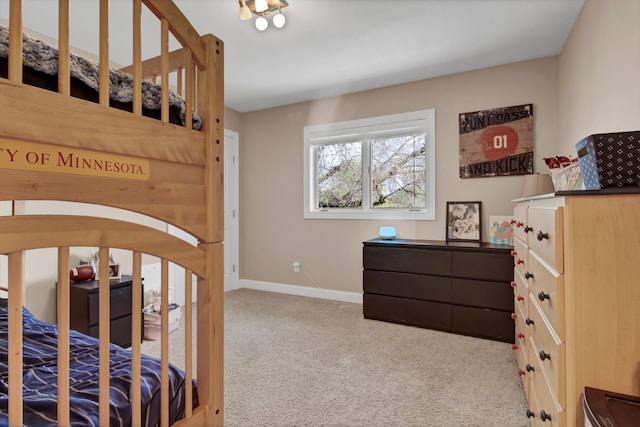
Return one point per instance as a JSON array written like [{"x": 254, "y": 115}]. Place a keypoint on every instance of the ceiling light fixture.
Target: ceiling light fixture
[{"x": 262, "y": 8}]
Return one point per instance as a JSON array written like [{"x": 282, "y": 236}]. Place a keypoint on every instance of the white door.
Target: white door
[
  {"x": 231, "y": 220},
  {"x": 231, "y": 253}
]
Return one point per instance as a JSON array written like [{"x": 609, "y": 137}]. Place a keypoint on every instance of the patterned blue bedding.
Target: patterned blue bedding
[{"x": 40, "y": 379}]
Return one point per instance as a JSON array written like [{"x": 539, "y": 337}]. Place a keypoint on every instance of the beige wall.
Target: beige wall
[
  {"x": 273, "y": 233},
  {"x": 599, "y": 73},
  {"x": 591, "y": 87}
]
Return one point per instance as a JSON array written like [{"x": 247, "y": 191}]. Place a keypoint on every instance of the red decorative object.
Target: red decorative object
[{"x": 82, "y": 273}]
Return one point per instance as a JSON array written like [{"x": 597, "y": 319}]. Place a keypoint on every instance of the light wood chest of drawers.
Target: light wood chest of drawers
[{"x": 577, "y": 300}]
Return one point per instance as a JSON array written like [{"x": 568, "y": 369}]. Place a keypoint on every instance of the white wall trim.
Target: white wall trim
[{"x": 305, "y": 291}]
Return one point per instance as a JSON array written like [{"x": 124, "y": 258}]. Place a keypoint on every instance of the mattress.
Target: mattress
[
  {"x": 40, "y": 69},
  {"x": 40, "y": 379}
]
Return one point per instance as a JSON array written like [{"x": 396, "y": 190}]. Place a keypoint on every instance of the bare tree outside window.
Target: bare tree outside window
[
  {"x": 340, "y": 175},
  {"x": 398, "y": 178}
]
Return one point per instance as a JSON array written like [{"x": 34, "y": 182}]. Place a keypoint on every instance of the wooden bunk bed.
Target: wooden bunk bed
[{"x": 54, "y": 146}]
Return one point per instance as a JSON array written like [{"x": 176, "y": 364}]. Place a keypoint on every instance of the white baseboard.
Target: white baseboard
[{"x": 305, "y": 291}]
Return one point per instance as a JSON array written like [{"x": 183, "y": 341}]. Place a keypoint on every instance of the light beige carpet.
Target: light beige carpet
[{"x": 296, "y": 361}]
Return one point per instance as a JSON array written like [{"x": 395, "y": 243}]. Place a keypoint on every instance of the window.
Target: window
[{"x": 377, "y": 168}]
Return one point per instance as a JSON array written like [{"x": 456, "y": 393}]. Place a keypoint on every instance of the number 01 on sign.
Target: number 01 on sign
[{"x": 496, "y": 142}]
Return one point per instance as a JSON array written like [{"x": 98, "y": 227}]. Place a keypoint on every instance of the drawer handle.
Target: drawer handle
[
  {"x": 514, "y": 347},
  {"x": 530, "y": 414},
  {"x": 520, "y": 261},
  {"x": 544, "y": 416},
  {"x": 544, "y": 355},
  {"x": 528, "y": 229},
  {"x": 513, "y": 284},
  {"x": 519, "y": 224},
  {"x": 528, "y": 321},
  {"x": 528, "y": 275},
  {"x": 514, "y": 316},
  {"x": 542, "y": 296},
  {"x": 513, "y": 221},
  {"x": 520, "y": 298},
  {"x": 520, "y": 335},
  {"x": 541, "y": 236},
  {"x": 513, "y": 252},
  {"x": 521, "y": 372},
  {"x": 529, "y": 368}
]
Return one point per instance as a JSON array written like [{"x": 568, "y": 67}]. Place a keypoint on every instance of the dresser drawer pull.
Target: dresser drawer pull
[
  {"x": 529, "y": 368},
  {"x": 519, "y": 224},
  {"x": 528, "y": 229},
  {"x": 544, "y": 355},
  {"x": 541, "y": 236},
  {"x": 513, "y": 252},
  {"x": 528, "y": 275},
  {"x": 520, "y": 298},
  {"x": 544, "y": 416},
  {"x": 513, "y": 284},
  {"x": 514, "y": 347},
  {"x": 520, "y": 261},
  {"x": 520, "y": 335},
  {"x": 542, "y": 296},
  {"x": 521, "y": 372},
  {"x": 514, "y": 316},
  {"x": 528, "y": 321},
  {"x": 530, "y": 414}
]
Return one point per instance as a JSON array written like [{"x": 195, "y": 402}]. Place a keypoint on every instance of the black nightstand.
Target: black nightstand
[{"x": 84, "y": 314}]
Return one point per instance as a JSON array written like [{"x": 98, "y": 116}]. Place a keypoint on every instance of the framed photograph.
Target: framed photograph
[
  {"x": 500, "y": 229},
  {"x": 463, "y": 222},
  {"x": 114, "y": 271}
]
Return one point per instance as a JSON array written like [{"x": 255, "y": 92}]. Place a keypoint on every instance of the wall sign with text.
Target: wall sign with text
[{"x": 496, "y": 142}]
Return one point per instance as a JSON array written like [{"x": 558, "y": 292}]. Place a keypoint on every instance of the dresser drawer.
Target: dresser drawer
[
  {"x": 496, "y": 267},
  {"x": 119, "y": 304},
  {"x": 540, "y": 401},
  {"x": 521, "y": 337},
  {"x": 407, "y": 311},
  {"x": 520, "y": 218},
  {"x": 119, "y": 331},
  {"x": 547, "y": 287},
  {"x": 520, "y": 255},
  {"x": 483, "y": 322},
  {"x": 416, "y": 286},
  {"x": 548, "y": 352},
  {"x": 521, "y": 293},
  {"x": 407, "y": 260},
  {"x": 547, "y": 237},
  {"x": 482, "y": 293}
]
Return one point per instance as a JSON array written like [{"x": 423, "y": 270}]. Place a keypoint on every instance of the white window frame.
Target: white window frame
[{"x": 368, "y": 128}]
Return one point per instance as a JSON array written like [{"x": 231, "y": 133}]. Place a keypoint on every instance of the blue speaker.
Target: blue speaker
[{"x": 387, "y": 233}]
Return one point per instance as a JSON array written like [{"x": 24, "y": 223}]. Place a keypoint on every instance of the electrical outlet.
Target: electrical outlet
[{"x": 296, "y": 267}]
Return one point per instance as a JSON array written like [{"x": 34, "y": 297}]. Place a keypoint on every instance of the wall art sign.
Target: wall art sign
[{"x": 496, "y": 142}]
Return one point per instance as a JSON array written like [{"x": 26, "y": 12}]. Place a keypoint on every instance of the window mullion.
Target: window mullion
[{"x": 366, "y": 175}]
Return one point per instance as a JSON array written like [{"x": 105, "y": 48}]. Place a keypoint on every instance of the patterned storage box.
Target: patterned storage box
[{"x": 610, "y": 160}]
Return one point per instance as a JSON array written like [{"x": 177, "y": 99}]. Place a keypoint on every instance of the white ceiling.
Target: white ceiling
[{"x": 333, "y": 47}]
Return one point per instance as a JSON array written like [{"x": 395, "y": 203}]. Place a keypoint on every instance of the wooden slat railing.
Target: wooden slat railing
[
  {"x": 171, "y": 19},
  {"x": 16, "y": 301}
]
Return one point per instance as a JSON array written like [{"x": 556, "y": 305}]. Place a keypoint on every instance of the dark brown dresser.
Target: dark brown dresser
[
  {"x": 84, "y": 314},
  {"x": 455, "y": 287}
]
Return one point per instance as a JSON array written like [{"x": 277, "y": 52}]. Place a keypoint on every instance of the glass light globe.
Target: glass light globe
[
  {"x": 279, "y": 20},
  {"x": 261, "y": 5},
  {"x": 262, "y": 23}
]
